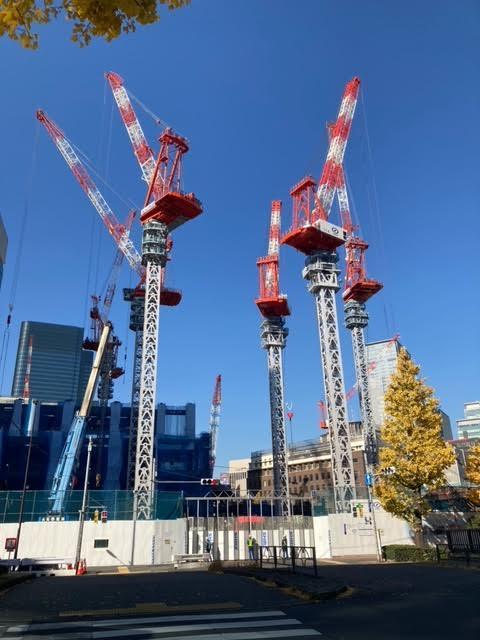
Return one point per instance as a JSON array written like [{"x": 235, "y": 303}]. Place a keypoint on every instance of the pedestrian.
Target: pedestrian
[
  {"x": 251, "y": 547},
  {"x": 208, "y": 548},
  {"x": 284, "y": 547}
]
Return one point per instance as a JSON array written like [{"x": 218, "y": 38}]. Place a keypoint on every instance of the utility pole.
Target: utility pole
[
  {"x": 318, "y": 239},
  {"x": 274, "y": 307},
  {"x": 84, "y": 504}
]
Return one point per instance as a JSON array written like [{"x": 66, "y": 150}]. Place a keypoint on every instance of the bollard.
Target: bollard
[
  {"x": 315, "y": 568},
  {"x": 275, "y": 556},
  {"x": 292, "y": 552},
  {"x": 261, "y": 557}
]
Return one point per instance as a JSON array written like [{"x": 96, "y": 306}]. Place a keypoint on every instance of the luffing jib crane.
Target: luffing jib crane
[
  {"x": 274, "y": 308},
  {"x": 168, "y": 297},
  {"x": 120, "y": 235},
  {"x": 215, "y": 421},
  {"x": 316, "y": 237},
  {"x": 358, "y": 289},
  {"x": 166, "y": 207}
]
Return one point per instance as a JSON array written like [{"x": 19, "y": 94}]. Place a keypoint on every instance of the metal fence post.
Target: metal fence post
[
  {"x": 292, "y": 553},
  {"x": 315, "y": 568},
  {"x": 261, "y": 557},
  {"x": 275, "y": 556}
]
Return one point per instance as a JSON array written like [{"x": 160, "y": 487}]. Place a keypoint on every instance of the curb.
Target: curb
[
  {"x": 301, "y": 592},
  {"x": 12, "y": 582}
]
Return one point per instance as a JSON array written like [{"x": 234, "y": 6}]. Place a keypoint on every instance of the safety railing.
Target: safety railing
[{"x": 292, "y": 557}]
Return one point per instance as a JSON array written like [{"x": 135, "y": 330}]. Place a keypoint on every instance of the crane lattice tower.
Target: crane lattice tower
[
  {"x": 357, "y": 290},
  {"x": 168, "y": 297},
  {"x": 274, "y": 307},
  {"x": 318, "y": 239},
  {"x": 166, "y": 208}
]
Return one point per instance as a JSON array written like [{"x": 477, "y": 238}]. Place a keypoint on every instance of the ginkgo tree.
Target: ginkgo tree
[
  {"x": 412, "y": 444},
  {"x": 19, "y": 19},
  {"x": 472, "y": 472}
]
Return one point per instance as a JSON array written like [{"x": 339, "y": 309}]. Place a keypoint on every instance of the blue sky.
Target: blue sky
[{"x": 251, "y": 85}]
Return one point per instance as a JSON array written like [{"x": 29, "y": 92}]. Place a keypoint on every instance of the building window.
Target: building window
[
  {"x": 100, "y": 543},
  {"x": 316, "y": 477}
]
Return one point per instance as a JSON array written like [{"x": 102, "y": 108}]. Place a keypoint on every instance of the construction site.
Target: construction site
[{"x": 103, "y": 484}]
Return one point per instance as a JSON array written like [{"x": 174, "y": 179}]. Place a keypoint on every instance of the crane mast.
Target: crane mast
[
  {"x": 136, "y": 297},
  {"x": 274, "y": 307},
  {"x": 357, "y": 290},
  {"x": 318, "y": 239},
  {"x": 215, "y": 421},
  {"x": 163, "y": 211}
]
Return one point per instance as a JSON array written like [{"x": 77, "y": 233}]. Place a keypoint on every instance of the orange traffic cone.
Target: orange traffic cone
[{"x": 82, "y": 568}]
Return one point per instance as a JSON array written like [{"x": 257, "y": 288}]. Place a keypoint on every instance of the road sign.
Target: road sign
[{"x": 10, "y": 544}]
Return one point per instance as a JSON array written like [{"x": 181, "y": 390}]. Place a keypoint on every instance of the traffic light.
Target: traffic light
[
  {"x": 104, "y": 516},
  {"x": 388, "y": 471},
  {"x": 209, "y": 482}
]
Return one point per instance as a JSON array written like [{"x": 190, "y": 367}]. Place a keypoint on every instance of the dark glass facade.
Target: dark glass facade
[
  {"x": 60, "y": 367},
  {"x": 178, "y": 457}
]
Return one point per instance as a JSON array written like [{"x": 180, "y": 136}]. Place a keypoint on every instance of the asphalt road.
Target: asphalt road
[{"x": 387, "y": 602}]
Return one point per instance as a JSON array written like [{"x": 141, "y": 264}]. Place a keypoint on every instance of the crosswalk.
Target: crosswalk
[{"x": 254, "y": 625}]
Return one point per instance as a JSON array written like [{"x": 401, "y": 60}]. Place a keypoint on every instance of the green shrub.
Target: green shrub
[{"x": 410, "y": 553}]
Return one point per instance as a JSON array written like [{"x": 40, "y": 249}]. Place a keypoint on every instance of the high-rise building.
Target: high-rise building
[
  {"x": 469, "y": 425},
  {"x": 60, "y": 367},
  {"x": 381, "y": 364},
  {"x": 3, "y": 247}
]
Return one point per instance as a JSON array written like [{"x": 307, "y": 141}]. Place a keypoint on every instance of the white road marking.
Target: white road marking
[
  {"x": 217, "y": 627},
  {"x": 51, "y": 626}
]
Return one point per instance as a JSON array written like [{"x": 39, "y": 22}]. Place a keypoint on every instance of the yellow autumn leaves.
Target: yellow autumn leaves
[
  {"x": 411, "y": 442},
  {"x": 106, "y": 19}
]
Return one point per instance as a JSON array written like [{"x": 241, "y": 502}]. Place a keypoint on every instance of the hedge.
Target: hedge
[{"x": 410, "y": 553}]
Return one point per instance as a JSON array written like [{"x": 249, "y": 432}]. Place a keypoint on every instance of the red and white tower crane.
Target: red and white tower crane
[
  {"x": 318, "y": 239},
  {"x": 166, "y": 207},
  {"x": 215, "y": 421},
  {"x": 274, "y": 308},
  {"x": 168, "y": 297},
  {"x": 357, "y": 290}
]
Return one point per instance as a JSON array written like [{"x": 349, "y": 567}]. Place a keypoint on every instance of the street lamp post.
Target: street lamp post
[
  {"x": 84, "y": 504},
  {"x": 369, "y": 480}
]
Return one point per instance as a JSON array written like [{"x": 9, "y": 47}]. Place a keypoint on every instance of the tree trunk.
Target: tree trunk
[{"x": 418, "y": 533}]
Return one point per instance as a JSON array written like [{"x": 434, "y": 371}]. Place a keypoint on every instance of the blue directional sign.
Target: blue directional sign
[{"x": 369, "y": 480}]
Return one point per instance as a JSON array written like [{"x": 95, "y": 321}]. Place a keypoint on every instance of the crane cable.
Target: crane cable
[
  {"x": 374, "y": 210},
  {"x": 18, "y": 258}
]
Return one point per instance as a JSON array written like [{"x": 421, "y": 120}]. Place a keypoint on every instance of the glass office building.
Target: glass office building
[
  {"x": 60, "y": 367},
  {"x": 469, "y": 426}
]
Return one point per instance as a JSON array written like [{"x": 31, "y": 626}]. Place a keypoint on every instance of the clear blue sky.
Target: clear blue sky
[{"x": 251, "y": 84}]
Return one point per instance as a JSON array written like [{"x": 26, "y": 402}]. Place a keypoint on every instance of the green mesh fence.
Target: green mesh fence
[{"x": 118, "y": 504}]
